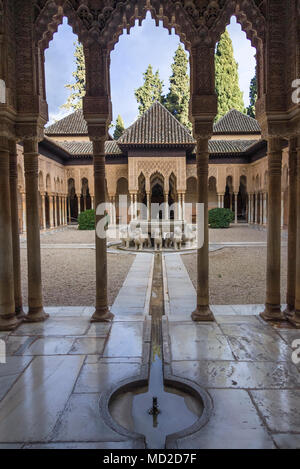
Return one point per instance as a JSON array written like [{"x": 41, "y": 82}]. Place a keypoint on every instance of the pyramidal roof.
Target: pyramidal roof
[
  {"x": 157, "y": 126},
  {"x": 234, "y": 122},
  {"x": 73, "y": 124}
]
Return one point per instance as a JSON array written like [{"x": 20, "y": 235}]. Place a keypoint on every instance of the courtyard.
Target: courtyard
[{"x": 66, "y": 364}]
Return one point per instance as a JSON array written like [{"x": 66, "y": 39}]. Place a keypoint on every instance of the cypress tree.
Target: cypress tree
[
  {"x": 177, "y": 100},
  {"x": 253, "y": 97},
  {"x": 120, "y": 127},
  {"x": 227, "y": 79},
  {"x": 150, "y": 91},
  {"x": 77, "y": 89}
]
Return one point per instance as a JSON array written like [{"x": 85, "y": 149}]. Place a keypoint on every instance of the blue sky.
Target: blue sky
[{"x": 145, "y": 45}]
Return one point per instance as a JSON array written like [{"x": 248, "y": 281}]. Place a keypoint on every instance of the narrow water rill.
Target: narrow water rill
[{"x": 163, "y": 407}]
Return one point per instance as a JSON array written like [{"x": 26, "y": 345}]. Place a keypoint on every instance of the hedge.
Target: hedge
[
  {"x": 86, "y": 220},
  {"x": 220, "y": 217}
]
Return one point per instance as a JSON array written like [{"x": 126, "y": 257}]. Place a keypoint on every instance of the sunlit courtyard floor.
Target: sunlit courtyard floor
[{"x": 57, "y": 371}]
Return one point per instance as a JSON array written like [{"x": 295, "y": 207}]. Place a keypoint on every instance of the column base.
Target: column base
[
  {"x": 294, "y": 319},
  {"x": 102, "y": 315},
  {"x": 273, "y": 313},
  {"x": 36, "y": 315},
  {"x": 9, "y": 323},
  {"x": 20, "y": 313},
  {"x": 202, "y": 314},
  {"x": 289, "y": 311}
]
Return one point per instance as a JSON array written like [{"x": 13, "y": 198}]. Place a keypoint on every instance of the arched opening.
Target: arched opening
[
  {"x": 212, "y": 193},
  {"x": 173, "y": 196},
  {"x": 86, "y": 201},
  {"x": 191, "y": 196},
  {"x": 242, "y": 201},
  {"x": 157, "y": 184},
  {"x": 122, "y": 195},
  {"x": 228, "y": 197}
]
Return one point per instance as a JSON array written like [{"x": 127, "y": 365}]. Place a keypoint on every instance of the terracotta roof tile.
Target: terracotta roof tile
[
  {"x": 157, "y": 126},
  {"x": 234, "y": 122}
]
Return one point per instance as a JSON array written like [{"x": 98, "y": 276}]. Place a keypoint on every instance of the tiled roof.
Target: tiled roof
[
  {"x": 86, "y": 148},
  {"x": 73, "y": 124},
  {"x": 157, "y": 126},
  {"x": 234, "y": 122},
  {"x": 230, "y": 146}
]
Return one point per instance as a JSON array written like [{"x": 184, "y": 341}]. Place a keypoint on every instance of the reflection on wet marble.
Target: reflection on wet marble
[
  {"x": 88, "y": 346},
  {"x": 10, "y": 371},
  {"x": 55, "y": 326},
  {"x": 234, "y": 424},
  {"x": 95, "y": 377},
  {"x": 280, "y": 409},
  {"x": 287, "y": 441},
  {"x": 234, "y": 374},
  {"x": 205, "y": 342},
  {"x": 256, "y": 342},
  {"x": 81, "y": 421},
  {"x": 125, "y": 340},
  {"x": 49, "y": 346},
  {"x": 31, "y": 408}
]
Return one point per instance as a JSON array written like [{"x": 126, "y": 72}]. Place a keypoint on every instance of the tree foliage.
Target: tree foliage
[
  {"x": 220, "y": 217},
  {"x": 253, "y": 97},
  {"x": 150, "y": 91},
  {"x": 177, "y": 100},
  {"x": 77, "y": 89},
  {"x": 227, "y": 78},
  {"x": 120, "y": 127}
]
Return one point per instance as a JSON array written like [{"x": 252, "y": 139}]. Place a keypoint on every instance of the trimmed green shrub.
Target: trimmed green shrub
[
  {"x": 86, "y": 220},
  {"x": 220, "y": 217}
]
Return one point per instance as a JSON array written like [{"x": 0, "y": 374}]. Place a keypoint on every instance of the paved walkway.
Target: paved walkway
[
  {"x": 245, "y": 365},
  {"x": 56, "y": 371}
]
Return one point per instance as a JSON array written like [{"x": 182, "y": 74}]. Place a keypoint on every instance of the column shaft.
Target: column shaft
[
  {"x": 102, "y": 313},
  {"x": 235, "y": 208},
  {"x": 273, "y": 299},
  {"x": 292, "y": 227},
  {"x": 35, "y": 302},
  {"x": 203, "y": 312},
  {"x": 295, "y": 317},
  {"x": 8, "y": 320},
  {"x": 15, "y": 227}
]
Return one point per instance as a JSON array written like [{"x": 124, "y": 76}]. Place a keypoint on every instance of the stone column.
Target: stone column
[
  {"x": 294, "y": 318},
  {"x": 43, "y": 210},
  {"x": 131, "y": 206},
  {"x": 93, "y": 202},
  {"x": 282, "y": 209},
  {"x": 230, "y": 195},
  {"x": 51, "y": 215},
  {"x": 273, "y": 306},
  {"x": 13, "y": 172},
  {"x": 265, "y": 207},
  {"x": 8, "y": 319},
  {"x": 203, "y": 311},
  {"x": 183, "y": 206},
  {"x": 102, "y": 313},
  {"x": 54, "y": 211},
  {"x": 292, "y": 227},
  {"x": 235, "y": 207},
  {"x": 148, "y": 206},
  {"x": 249, "y": 207},
  {"x": 256, "y": 209},
  {"x": 36, "y": 311},
  {"x": 166, "y": 206},
  {"x": 219, "y": 200},
  {"x": 23, "y": 195},
  {"x": 79, "y": 204},
  {"x": 261, "y": 208}
]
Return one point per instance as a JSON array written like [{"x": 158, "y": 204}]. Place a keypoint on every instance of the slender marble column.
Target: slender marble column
[
  {"x": 8, "y": 319},
  {"x": 249, "y": 208},
  {"x": 261, "y": 208},
  {"x": 24, "y": 228},
  {"x": 79, "y": 203},
  {"x": 43, "y": 210},
  {"x": 295, "y": 317},
  {"x": 273, "y": 299},
  {"x": 51, "y": 214},
  {"x": 282, "y": 209},
  {"x": 15, "y": 227},
  {"x": 292, "y": 227},
  {"x": 148, "y": 206},
  {"x": 235, "y": 207},
  {"x": 183, "y": 206},
  {"x": 54, "y": 211},
  {"x": 203, "y": 311},
  {"x": 36, "y": 311},
  {"x": 102, "y": 313},
  {"x": 265, "y": 207}
]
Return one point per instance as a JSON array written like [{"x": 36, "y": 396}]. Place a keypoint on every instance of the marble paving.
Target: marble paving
[
  {"x": 56, "y": 371},
  {"x": 244, "y": 363}
]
